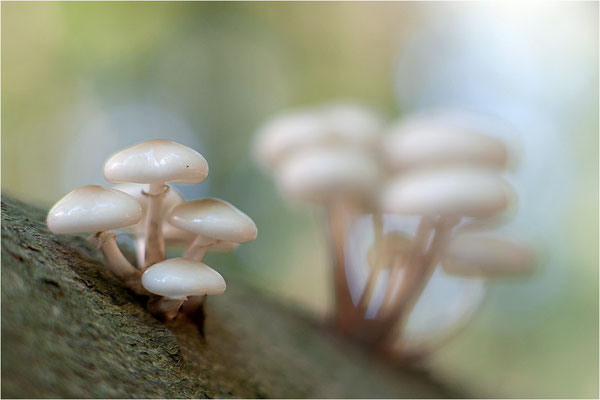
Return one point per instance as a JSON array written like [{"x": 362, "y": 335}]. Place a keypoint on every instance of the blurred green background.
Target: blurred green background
[{"x": 82, "y": 80}]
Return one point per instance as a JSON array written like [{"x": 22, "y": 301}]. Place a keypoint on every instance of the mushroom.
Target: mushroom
[
  {"x": 466, "y": 255},
  {"x": 343, "y": 180},
  {"x": 171, "y": 199},
  {"x": 443, "y": 139},
  {"x": 326, "y": 155},
  {"x": 177, "y": 278},
  {"x": 97, "y": 209},
  {"x": 442, "y": 197},
  {"x": 156, "y": 162},
  {"x": 213, "y": 221}
]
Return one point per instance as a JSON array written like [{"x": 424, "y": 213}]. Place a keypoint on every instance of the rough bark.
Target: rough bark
[{"x": 71, "y": 329}]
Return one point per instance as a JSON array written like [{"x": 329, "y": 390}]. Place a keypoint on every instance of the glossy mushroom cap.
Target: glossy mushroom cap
[
  {"x": 180, "y": 277},
  {"x": 93, "y": 209},
  {"x": 451, "y": 192},
  {"x": 156, "y": 161},
  {"x": 319, "y": 175},
  {"x": 214, "y": 218},
  {"x": 486, "y": 257}
]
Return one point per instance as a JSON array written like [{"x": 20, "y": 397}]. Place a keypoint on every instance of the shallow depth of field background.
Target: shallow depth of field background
[{"x": 80, "y": 81}]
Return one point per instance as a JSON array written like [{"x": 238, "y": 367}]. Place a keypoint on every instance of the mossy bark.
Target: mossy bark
[{"x": 71, "y": 329}]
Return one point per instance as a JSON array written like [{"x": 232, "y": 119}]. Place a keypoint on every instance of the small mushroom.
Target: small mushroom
[
  {"x": 343, "y": 180},
  {"x": 481, "y": 256},
  {"x": 213, "y": 221},
  {"x": 177, "y": 278},
  {"x": 450, "y": 192},
  {"x": 156, "y": 162},
  {"x": 441, "y": 197},
  {"x": 97, "y": 209},
  {"x": 326, "y": 155}
]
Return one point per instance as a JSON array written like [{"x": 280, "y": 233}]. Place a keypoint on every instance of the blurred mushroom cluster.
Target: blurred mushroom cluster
[
  {"x": 145, "y": 206},
  {"x": 431, "y": 187}
]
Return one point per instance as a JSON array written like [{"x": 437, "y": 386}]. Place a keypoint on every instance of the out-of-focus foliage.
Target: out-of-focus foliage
[{"x": 82, "y": 80}]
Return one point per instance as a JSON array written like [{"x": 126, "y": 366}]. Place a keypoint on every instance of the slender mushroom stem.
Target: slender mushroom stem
[
  {"x": 155, "y": 244},
  {"x": 429, "y": 259},
  {"x": 198, "y": 248},
  {"x": 365, "y": 298},
  {"x": 345, "y": 314},
  {"x": 117, "y": 262}
]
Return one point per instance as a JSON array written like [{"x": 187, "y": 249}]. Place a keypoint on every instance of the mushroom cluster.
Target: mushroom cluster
[
  {"x": 143, "y": 204},
  {"x": 442, "y": 168}
]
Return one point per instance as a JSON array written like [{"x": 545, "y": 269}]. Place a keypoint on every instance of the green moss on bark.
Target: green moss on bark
[{"x": 70, "y": 329}]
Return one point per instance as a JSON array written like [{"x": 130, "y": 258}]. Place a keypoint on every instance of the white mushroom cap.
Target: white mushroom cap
[
  {"x": 214, "y": 218},
  {"x": 486, "y": 256},
  {"x": 322, "y": 174},
  {"x": 180, "y": 277},
  {"x": 451, "y": 192},
  {"x": 156, "y": 161},
  {"x": 334, "y": 125},
  {"x": 93, "y": 209},
  {"x": 444, "y": 138}
]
